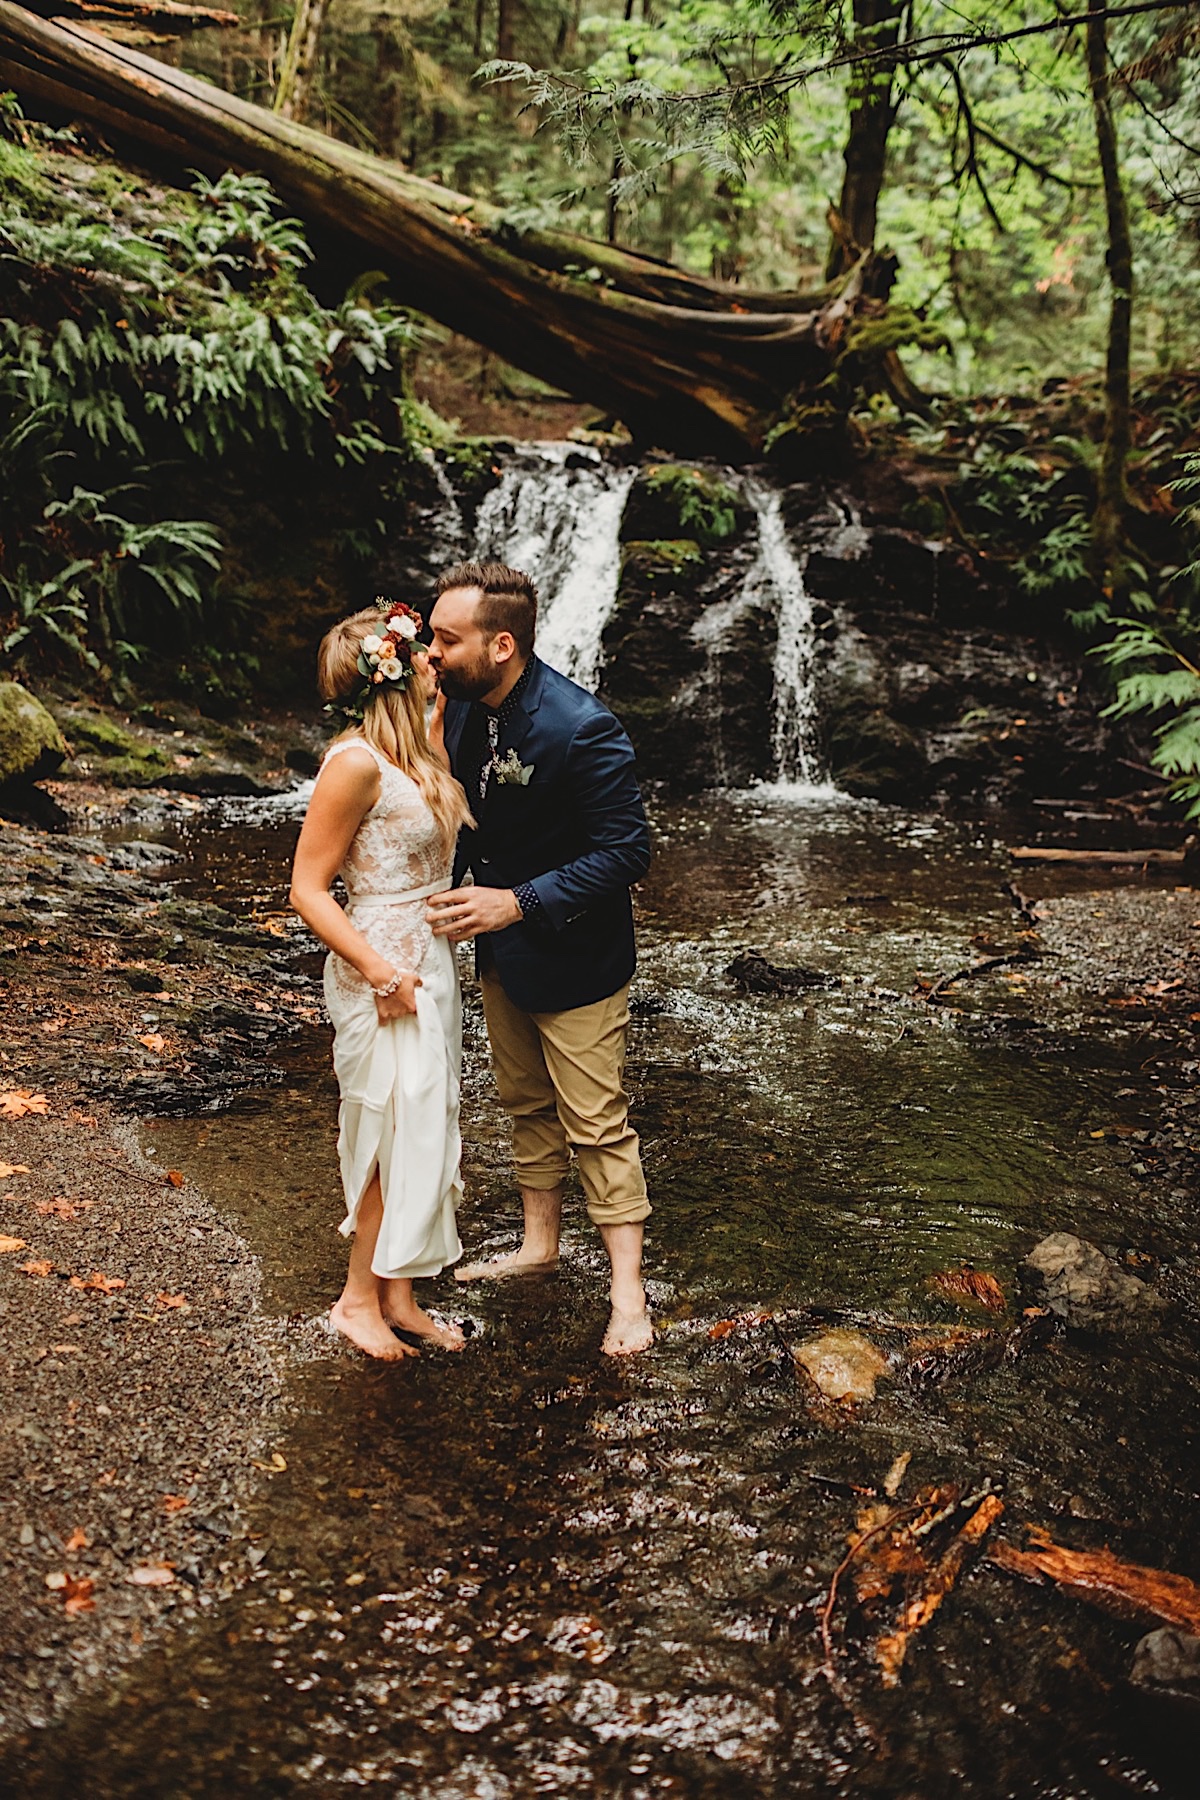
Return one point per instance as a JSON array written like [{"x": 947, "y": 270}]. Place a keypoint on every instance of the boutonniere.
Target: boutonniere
[{"x": 511, "y": 770}]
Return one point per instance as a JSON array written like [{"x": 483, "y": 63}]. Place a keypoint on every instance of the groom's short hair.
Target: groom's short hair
[{"x": 508, "y": 599}]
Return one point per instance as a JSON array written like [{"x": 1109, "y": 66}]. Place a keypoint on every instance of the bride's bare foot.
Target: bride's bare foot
[
  {"x": 368, "y": 1330},
  {"x": 408, "y": 1316},
  {"x": 516, "y": 1262}
]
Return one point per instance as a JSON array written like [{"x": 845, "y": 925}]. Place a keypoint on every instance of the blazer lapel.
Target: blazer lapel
[
  {"x": 517, "y": 729},
  {"x": 521, "y": 723}
]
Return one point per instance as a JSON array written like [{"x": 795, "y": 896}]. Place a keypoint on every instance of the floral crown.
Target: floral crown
[{"x": 384, "y": 656}]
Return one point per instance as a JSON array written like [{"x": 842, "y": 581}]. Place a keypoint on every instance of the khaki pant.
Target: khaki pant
[{"x": 560, "y": 1076}]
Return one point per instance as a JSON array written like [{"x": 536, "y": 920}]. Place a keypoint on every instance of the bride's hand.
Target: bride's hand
[{"x": 401, "y": 1003}]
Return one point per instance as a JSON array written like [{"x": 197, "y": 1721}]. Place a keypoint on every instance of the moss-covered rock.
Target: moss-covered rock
[
  {"x": 107, "y": 749},
  {"x": 31, "y": 745},
  {"x": 652, "y": 558}
]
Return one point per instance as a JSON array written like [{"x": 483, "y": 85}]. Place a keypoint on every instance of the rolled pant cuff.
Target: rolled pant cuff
[
  {"x": 541, "y": 1176},
  {"x": 619, "y": 1212}
]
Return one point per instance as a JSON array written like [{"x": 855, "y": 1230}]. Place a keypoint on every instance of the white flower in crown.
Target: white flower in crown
[
  {"x": 392, "y": 669},
  {"x": 403, "y": 626},
  {"x": 371, "y": 644}
]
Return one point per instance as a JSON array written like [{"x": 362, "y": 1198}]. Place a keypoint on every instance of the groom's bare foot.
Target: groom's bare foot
[
  {"x": 368, "y": 1330},
  {"x": 516, "y": 1262},
  {"x": 629, "y": 1328},
  {"x": 411, "y": 1318},
  {"x": 628, "y": 1333}
]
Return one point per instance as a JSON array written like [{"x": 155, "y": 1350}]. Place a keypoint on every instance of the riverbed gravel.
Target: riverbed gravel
[{"x": 142, "y": 1386}]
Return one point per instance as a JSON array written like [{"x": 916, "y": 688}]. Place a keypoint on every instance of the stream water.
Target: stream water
[{"x": 525, "y": 1570}]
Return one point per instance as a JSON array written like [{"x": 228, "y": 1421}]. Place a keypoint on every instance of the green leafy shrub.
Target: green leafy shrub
[
  {"x": 705, "y": 505},
  {"x": 128, "y": 356},
  {"x": 1161, "y": 665}
]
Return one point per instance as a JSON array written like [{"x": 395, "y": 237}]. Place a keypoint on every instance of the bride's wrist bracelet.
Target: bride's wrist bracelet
[{"x": 389, "y": 987}]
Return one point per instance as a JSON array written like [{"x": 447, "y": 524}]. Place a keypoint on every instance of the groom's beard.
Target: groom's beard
[{"x": 470, "y": 682}]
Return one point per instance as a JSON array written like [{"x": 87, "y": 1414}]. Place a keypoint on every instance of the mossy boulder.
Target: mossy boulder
[
  {"x": 31, "y": 745},
  {"x": 105, "y": 748}
]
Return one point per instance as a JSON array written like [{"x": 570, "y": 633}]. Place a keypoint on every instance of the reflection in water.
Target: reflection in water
[{"x": 521, "y": 1571}]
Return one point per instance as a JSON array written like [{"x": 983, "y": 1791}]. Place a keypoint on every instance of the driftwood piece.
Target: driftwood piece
[
  {"x": 892, "y": 1647},
  {"x": 972, "y": 970},
  {"x": 686, "y": 363},
  {"x": 1132, "y": 1591},
  {"x": 1134, "y": 858}
]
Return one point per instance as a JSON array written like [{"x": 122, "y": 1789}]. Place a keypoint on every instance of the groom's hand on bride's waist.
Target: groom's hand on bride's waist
[{"x": 467, "y": 912}]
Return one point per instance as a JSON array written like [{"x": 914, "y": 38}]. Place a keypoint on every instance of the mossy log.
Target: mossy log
[{"x": 688, "y": 364}]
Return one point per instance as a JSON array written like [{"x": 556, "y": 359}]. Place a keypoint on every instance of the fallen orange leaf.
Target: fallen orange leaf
[
  {"x": 174, "y": 1300},
  {"x": 969, "y": 1284},
  {"x": 104, "y": 1284},
  {"x": 78, "y": 1595},
  {"x": 16, "y": 1102},
  {"x": 8, "y": 1170},
  {"x": 78, "y": 1540},
  {"x": 174, "y": 1503},
  {"x": 61, "y": 1208},
  {"x": 11, "y": 1243},
  {"x": 43, "y": 1266},
  {"x": 174, "y": 1177},
  {"x": 723, "y": 1327},
  {"x": 155, "y": 1041}
]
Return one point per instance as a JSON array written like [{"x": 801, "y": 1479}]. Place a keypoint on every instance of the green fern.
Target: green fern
[{"x": 1163, "y": 676}]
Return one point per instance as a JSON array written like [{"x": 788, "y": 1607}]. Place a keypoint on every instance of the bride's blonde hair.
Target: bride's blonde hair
[{"x": 393, "y": 720}]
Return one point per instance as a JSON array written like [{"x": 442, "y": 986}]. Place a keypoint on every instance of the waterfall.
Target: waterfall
[
  {"x": 446, "y": 529},
  {"x": 776, "y": 578},
  {"x": 562, "y": 525}
]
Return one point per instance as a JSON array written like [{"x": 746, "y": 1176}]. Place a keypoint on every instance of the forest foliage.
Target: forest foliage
[
  {"x": 144, "y": 334},
  {"x": 725, "y": 135}
]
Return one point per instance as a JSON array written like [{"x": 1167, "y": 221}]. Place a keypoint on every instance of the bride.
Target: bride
[{"x": 385, "y": 813}]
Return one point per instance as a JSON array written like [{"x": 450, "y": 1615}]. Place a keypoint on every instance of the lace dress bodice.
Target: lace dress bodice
[{"x": 396, "y": 848}]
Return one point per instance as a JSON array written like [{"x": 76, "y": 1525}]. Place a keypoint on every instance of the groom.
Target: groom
[{"x": 560, "y": 836}]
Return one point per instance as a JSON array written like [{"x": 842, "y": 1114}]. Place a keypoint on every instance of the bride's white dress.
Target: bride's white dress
[{"x": 400, "y": 1081}]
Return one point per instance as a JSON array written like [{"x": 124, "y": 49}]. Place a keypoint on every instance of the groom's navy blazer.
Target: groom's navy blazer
[{"x": 576, "y": 833}]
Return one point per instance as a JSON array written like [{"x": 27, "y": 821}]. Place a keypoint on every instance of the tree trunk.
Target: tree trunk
[
  {"x": 664, "y": 350},
  {"x": 300, "y": 62},
  {"x": 876, "y": 27},
  {"x": 1112, "y": 498}
]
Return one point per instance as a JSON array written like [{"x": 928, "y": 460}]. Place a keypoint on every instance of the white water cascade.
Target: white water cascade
[
  {"x": 776, "y": 578},
  {"x": 562, "y": 525}
]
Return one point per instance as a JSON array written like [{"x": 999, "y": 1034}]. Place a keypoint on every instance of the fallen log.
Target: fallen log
[
  {"x": 1050, "y": 854},
  {"x": 1132, "y": 1591},
  {"x": 170, "y": 16},
  {"x": 684, "y": 362}
]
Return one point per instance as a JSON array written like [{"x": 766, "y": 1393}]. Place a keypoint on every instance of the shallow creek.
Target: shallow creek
[{"x": 524, "y": 1571}]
